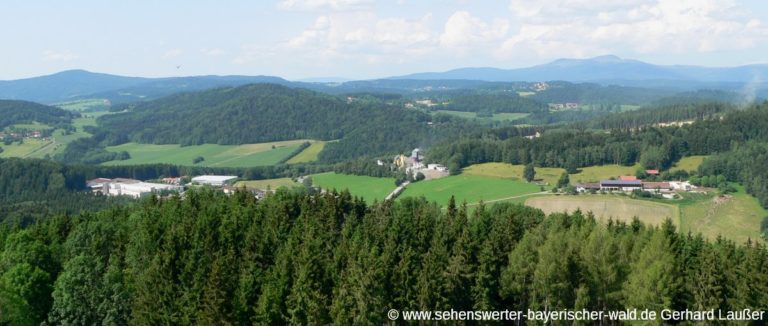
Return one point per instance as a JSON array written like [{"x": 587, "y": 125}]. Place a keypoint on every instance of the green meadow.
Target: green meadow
[
  {"x": 214, "y": 155},
  {"x": 369, "y": 188},
  {"x": 469, "y": 188}
]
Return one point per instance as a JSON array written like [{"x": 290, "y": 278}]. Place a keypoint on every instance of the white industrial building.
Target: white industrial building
[
  {"x": 214, "y": 180},
  {"x": 138, "y": 189}
]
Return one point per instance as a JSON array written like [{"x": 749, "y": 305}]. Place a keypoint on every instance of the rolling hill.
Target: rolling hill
[
  {"x": 606, "y": 69},
  {"x": 22, "y": 112}
]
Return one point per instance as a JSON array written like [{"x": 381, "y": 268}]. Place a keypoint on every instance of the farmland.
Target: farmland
[
  {"x": 472, "y": 115},
  {"x": 369, "y": 188},
  {"x": 736, "y": 217},
  {"x": 268, "y": 183},
  {"x": 309, "y": 154},
  {"x": 214, "y": 155},
  {"x": 512, "y": 172},
  {"x": 39, "y": 148},
  {"x": 608, "y": 206},
  {"x": 690, "y": 163},
  {"x": 602, "y": 172},
  {"x": 469, "y": 188}
]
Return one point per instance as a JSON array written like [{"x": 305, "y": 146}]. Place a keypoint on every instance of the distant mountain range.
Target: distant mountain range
[
  {"x": 73, "y": 85},
  {"x": 607, "y": 70}
]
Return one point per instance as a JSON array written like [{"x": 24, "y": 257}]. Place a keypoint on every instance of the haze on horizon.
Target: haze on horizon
[{"x": 360, "y": 39}]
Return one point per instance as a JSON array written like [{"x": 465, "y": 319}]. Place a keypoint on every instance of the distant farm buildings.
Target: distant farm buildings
[
  {"x": 130, "y": 187},
  {"x": 214, "y": 180},
  {"x": 629, "y": 184}
]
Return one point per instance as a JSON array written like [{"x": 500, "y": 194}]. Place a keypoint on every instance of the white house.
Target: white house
[{"x": 213, "y": 180}]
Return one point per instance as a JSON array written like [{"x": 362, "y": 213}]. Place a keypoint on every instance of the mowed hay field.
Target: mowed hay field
[
  {"x": 469, "y": 188},
  {"x": 736, "y": 217},
  {"x": 369, "y": 188},
  {"x": 215, "y": 155},
  {"x": 608, "y": 206},
  {"x": 268, "y": 183},
  {"x": 309, "y": 154},
  {"x": 512, "y": 172},
  {"x": 602, "y": 172},
  {"x": 689, "y": 163}
]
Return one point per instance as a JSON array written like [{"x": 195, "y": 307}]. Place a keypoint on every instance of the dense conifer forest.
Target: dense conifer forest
[
  {"x": 22, "y": 112},
  {"x": 298, "y": 258}
]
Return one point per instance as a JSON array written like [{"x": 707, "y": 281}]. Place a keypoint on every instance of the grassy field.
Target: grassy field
[
  {"x": 309, "y": 154},
  {"x": 512, "y": 172},
  {"x": 473, "y": 115},
  {"x": 608, "y": 206},
  {"x": 602, "y": 172},
  {"x": 34, "y": 148},
  {"x": 469, "y": 188},
  {"x": 80, "y": 105},
  {"x": 268, "y": 183},
  {"x": 369, "y": 188},
  {"x": 690, "y": 163},
  {"x": 215, "y": 155},
  {"x": 524, "y": 94},
  {"x": 736, "y": 217}
]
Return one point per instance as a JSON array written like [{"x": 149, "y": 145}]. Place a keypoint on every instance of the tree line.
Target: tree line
[{"x": 296, "y": 258}]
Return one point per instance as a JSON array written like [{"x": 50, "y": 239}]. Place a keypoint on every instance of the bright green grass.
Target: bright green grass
[
  {"x": 469, "y": 188},
  {"x": 25, "y": 150},
  {"x": 524, "y": 94},
  {"x": 215, "y": 155},
  {"x": 689, "y": 163},
  {"x": 369, "y": 188},
  {"x": 602, "y": 172},
  {"x": 268, "y": 183},
  {"x": 736, "y": 218},
  {"x": 512, "y": 172},
  {"x": 31, "y": 126},
  {"x": 496, "y": 116},
  {"x": 309, "y": 154}
]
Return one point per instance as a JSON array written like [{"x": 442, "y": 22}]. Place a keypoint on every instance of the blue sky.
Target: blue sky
[{"x": 299, "y": 39}]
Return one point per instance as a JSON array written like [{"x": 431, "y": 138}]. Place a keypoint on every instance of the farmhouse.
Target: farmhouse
[
  {"x": 214, "y": 180},
  {"x": 657, "y": 187},
  {"x": 584, "y": 187},
  {"x": 437, "y": 167},
  {"x": 620, "y": 185}
]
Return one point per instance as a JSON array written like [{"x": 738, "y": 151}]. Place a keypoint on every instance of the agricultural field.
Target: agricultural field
[
  {"x": 736, "y": 216},
  {"x": 309, "y": 154},
  {"x": 214, "y": 155},
  {"x": 470, "y": 188},
  {"x": 602, "y": 172},
  {"x": 268, "y": 183},
  {"x": 609, "y": 206},
  {"x": 38, "y": 148},
  {"x": 689, "y": 163},
  {"x": 369, "y": 188},
  {"x": 512, "y": 172},
  {"x": 524, "y": 94},
  {"x": 80, "y": 105},
  {"x": 496, "y": 116}
]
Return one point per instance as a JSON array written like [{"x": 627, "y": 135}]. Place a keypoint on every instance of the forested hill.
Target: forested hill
[
  {"x": 300, "y": 259},
  {"x": 267, "y": 112},
  {"x": 14, "y": 112}
]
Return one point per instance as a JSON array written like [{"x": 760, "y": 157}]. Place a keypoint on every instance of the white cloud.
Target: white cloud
[
  {"x": 173, "y": 53},
  {"x": 586, "y": 27},
  {"x": 59, "y": 56},
  {"x": 463, "y": 29},
  {"x": 213, "y": 52},
  {"x": 334, "y": 5}
]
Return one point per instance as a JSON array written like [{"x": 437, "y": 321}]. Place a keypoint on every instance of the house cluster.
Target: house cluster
[
  {"x": 540, "y": 86},
  {"x": 138, "y": 189},
  {"x": 563, "y": 106},
  {"x": 415, "y": 164},
  {"x": 632, "y": 183},
  {"x": 21, "y": 134}
]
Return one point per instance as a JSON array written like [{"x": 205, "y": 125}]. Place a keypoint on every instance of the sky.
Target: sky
[{"x": 362, "y": 39}]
